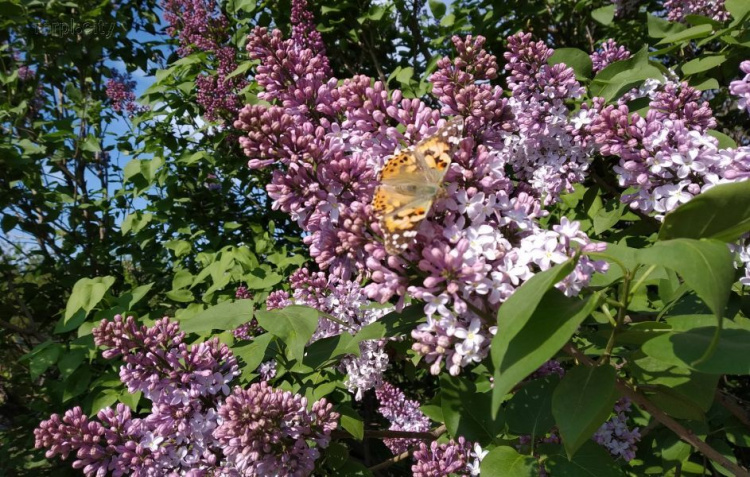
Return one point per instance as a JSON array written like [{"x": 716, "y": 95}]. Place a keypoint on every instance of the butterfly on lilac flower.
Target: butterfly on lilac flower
[{"x": 409, "y": 183}]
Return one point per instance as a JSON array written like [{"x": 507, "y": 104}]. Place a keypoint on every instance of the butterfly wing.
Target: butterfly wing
[{"x": 409, "y": 182}]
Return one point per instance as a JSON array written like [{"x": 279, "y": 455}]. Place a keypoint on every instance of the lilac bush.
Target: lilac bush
[{"x": 196, "y": 425}]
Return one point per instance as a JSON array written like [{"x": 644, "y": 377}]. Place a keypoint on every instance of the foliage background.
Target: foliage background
[{"x": 157, "y": 202}]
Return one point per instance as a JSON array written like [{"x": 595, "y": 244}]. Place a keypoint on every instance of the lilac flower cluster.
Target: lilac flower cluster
[
  {"x": 325, "y": 138},
  {"x": 120, "y": 93},
  {"x": 264, "y": 431},
  {"x": 201, "y": 26},
  {"x": 404, "y": 415},
  {"x": 667, "y": 157},
  {"x": 677, "y": 10},
  {"x": 191, "y": 429},
  {"x": 343, "y": 304},
  {"x": 741, "y": 88},
  {"x": 615, "y": 436},
  {"x": 607, "y": 54},
  {"x": 451, "y": 458}
]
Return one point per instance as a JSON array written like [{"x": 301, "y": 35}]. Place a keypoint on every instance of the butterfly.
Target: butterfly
[{"x": 409, "y": 183}]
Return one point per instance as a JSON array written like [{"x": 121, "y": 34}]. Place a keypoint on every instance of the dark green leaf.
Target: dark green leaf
[
  {"x": 578, "y": 60},
  {"x": 550, "y": 327},
  {"x": 252, "y": 354},
  {"x": 529, "y": 411},
  {"x": 468, "y": 413},
  {"x": 352, "y": 422},
  {"x": 705, "y": 265},
  {"x": 582, "y": 402},
  {"x": 721, "y": 213},
  {"x": 591, "y": 460},
  {"x": 732, "y": 354}
]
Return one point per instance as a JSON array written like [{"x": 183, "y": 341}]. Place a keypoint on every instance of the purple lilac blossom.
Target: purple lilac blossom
[
  {"x": 451, "y": 458},
  {"x": 403, "y": 414},
  {"x": 677, "y": 10},
  {"x": 615, "y": 435},
  {"x": 193, "y": 428},
  {"x": 667, "y": 157},
  {"x": 346, "y": 302},
  {"x": 120, "y": 93},
  {"x": 607, "y": 54},
  {"x": 265, "y": 431},
  {"x": 741, "y": 88},
  {"x": 201, "y": 26},
  {"x": 324, "y": 140}
]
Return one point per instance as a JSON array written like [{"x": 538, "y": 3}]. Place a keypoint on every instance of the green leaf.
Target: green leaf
[
  {"x": 506, "y": 461},
  {"x": 77, "y": 384},
  {"x": 395, "y": 323},
  {"x": 227, "y": 315},
  {"x": 70, "y": 361},
  {"x": 661, "y": 28},
  {"x": 518, "y": 309},
  {"x": 691, "y": 33},
  {"x": 737, "y": 8},
  {"x": 582, "y": 402},
  {"x": 130, "y": 299},
  {"x": 621, "y": 76},
  {"x": 182, "y": 296},
  {"x": 86, "y": 294},
  {"x": 260, "y": 279},
  {"x": 721, "y": 213},
  {"x": 41, "y": 360},
  {"x": 578, "y": 60},
  {"x": 591, "y": 460},
  {"x": 700, "y": 65},
  {"x": 553, "y": 323},
  {"x": 604, "y": 15},
  {"x": 693, "y": 386},
  {"x": 438, "y": 9},
  {"x": 682, "y": 349},
  {"x": 725, "y": 142},
  {"x": 705, "y": 265},
  {"x": 323, "y": 351},
  {"x": 352, "y": 422},
  {"x": 529, "y": 411},
  {"x": 252, "y": 354},
  {"x": 294, "y": 325},
  {"x": 467, "y": 412}
]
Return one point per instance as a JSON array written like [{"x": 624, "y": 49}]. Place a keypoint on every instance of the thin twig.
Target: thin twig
[
  {"x": 731, "y": 404},
  {"x": 683, "y": 433}
]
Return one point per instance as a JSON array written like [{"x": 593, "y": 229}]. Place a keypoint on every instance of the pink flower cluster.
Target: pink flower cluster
[
  {"x": 607, "y": 54},
  {"x": 120, "y": 93},
  {"x": 741, "y": 87},
  {"x": 193, "y": 428},
  {"x": 200, "y": 25},
  {"x": 667, "y": 157},
  {"x": 404, "y": 415},
  {"x": 344, "y": 308},
  {"x": 452, "y": 458},
  {"x": 324, "y": 139},
  {"x": 265, "y": 431},
  {"x": 677, "y": 10}
]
